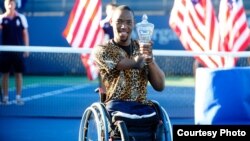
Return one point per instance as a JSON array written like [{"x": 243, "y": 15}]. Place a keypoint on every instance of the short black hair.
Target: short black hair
[{"x": 125, "y": 7}]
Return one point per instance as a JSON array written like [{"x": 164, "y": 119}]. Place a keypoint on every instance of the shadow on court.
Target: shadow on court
[{"x": 54, "y": 112}]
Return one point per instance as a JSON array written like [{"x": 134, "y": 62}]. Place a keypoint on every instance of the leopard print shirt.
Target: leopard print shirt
[{"x": 128, "y": 85}]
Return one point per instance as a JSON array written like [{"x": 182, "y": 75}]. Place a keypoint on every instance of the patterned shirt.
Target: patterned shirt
[{"x": 128, "y": 85}]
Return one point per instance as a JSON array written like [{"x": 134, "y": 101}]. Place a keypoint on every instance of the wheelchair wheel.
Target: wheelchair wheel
[
  {"x": 165, "y": 131},
  {"x": 94, "y": 124},
  {"x": 167, "y": 126}
]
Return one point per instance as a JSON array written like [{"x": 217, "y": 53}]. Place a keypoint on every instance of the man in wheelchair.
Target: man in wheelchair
[{"x": 126, "y": 66}]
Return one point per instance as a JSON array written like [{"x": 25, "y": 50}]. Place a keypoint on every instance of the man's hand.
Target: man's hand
[
  {"x": 139, "y": 62},
  {"x": 146, "y": 51},
  {"x": 26, "y": 54}
]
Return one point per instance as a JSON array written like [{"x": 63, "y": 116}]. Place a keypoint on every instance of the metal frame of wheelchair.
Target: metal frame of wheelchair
[{"x": 96, "y": 121}]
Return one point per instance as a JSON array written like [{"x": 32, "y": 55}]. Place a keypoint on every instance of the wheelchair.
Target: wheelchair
[{"x": 97, "y": 125}]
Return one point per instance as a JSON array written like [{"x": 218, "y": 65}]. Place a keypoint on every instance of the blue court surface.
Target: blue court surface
[{"x": 53, "y": 113}]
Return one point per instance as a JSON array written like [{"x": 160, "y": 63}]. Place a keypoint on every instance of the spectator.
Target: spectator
[
  {"x": 14, "y": 28},
  {"x": 105, "y": 23}
]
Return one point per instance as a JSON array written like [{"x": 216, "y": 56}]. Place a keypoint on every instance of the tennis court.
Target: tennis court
[{"x": 54, "y": 106}]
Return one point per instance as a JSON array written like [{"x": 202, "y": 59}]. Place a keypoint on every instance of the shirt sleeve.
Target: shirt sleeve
[
  {"x": 108, "y": 57},
  {"x": 1, "y": 19},
  {"x": 24, "y": 20}
]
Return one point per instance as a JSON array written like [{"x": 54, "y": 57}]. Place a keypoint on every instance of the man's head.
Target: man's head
[
  {"x": 122, "y": 22},
  {"x": 10, "y": 5}
]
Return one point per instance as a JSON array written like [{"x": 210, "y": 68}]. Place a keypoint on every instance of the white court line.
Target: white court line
[
  {"x": 26, "y": 87},
  {"x": 51, "y": 93}
]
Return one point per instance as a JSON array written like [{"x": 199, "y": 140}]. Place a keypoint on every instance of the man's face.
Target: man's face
[
  {"x": 10, "y": 5},
  {"x": 123, "y": 24}
]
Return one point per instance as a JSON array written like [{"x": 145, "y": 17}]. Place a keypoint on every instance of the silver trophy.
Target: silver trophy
[{"x": 145, "y": 30}]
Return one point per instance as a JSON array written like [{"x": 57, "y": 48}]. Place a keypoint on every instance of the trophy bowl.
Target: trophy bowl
[{"x": 144, "y": 30}]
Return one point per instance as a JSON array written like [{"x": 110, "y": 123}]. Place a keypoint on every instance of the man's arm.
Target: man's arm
[
  {"x": 126, "y": 63},
  {"x": 156, "y": 76},
  {"x": 26, "y": 37},
  {"x": 26, "y": 41}
]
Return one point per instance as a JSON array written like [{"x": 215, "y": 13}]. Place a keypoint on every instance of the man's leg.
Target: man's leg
[
  {"x": 19, "y": 83},
  {"x": 5, "y": 88}
]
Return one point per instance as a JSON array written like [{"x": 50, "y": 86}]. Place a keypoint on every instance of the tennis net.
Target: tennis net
[{"x": 55, "y": 82}]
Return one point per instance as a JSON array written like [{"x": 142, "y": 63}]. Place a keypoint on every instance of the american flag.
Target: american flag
[
  {"x": 195, "y": 22},
  {"x": 83, "y": 31},
  {"x": 233, "y": 28}
]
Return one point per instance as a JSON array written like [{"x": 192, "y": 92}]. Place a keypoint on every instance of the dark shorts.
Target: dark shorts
[{"x": 11, "y": 61}]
